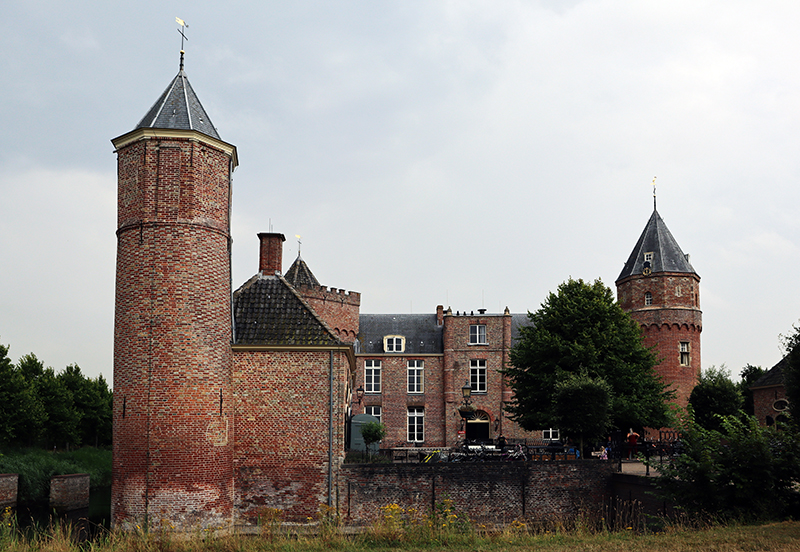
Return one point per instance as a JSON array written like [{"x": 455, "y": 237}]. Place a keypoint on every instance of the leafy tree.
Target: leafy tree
[
  {"x": 61, "y": 426},
  {"x": 21, "y": 412},
  {"x": 92, "y": 402},
  {"x": 581, "y": 329},
  {"x": 372, "y": 432},
  {"x": 714, "y": 395},
  {"x": 749, "y": 375},
  {"x": 745, "y": 471},
  {"x": 582, "y": 407},
  {"x": 791, "y": 372}
]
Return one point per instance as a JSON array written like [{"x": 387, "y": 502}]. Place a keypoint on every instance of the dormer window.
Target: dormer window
[
  {"x": 394, "y": 344},
  {"x": 648, "y": 298},
  {"x": 648, "y": 257}
]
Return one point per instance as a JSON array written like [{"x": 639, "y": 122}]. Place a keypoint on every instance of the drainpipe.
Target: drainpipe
[{"x": 330, "y": 430}]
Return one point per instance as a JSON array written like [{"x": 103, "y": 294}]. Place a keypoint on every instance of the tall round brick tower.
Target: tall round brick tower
[
  {"x": 661, "y": 291},
  {"x": 173, "y": 407}
]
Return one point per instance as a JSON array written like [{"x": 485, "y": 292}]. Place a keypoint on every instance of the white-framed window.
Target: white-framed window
[
  {"x": 477, "y": 375},
  {"x": 373, "y": 411},
  {"x": 394, "y": 344},
  {"x": 372, "y": 376},
  {"x": 551, "y": 434},
  {"x": 416, "y": 376},
  {"x": 648, "y": 298},
  {"x": 648, "y": 257},
  {"x": 684, "y": 350},
  {"x": 477, "y": 334},
  {"x": 416, "y": 424}
]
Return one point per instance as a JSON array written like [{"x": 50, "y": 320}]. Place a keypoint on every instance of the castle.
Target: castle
[{"x": 227, "y": 403}]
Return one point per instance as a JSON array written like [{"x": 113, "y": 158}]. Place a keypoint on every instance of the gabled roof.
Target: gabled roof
[
  {"x": 667, "y": 255},
  {"x": 268, "y": 311},
  {"x": 774, "y": 375},
  {"x": 300, "y": 275},
  {"x": 179, "y": 108}
]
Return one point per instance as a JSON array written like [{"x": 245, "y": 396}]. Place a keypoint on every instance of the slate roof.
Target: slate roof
[
  {"x": 179, "y": 108},
  {"x": 268, "y": 311},
  {"x": 667, "y": 254},
  {"x": 300, "y": 275},
  {"x": 774, "y": 375},
  {"x": 423, "y": 335}
]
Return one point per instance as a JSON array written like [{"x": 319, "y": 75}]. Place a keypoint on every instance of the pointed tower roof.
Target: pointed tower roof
[
  {"x": 667, "y": 254},
  {"x": 179, "y": 108},
  {"x": 300, "y": 275}
]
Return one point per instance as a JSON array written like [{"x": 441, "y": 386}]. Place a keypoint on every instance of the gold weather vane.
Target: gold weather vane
[
  {"x": 183, "y": 24},
  {"x": 654, "y": 193},
  {"x": 299, "y": 243}
]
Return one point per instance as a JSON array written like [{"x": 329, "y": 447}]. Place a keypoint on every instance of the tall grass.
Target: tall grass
[
  {"x": 36, "y": 466},
  {"x": 778, "y": 537}
]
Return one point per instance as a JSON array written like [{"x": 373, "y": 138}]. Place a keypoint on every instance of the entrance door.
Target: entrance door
[{"x": 478, "y": 428}]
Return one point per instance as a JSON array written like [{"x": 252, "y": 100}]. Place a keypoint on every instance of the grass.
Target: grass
[
  {"x": 36, "y": 466},
  {"x": 399, "y": 530}
]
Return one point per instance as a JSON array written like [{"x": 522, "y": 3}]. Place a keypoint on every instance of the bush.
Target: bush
[{"x": 743, "y": 472}]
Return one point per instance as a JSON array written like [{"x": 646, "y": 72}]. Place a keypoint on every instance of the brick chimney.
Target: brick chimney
[{"x": 271, "y": 253}]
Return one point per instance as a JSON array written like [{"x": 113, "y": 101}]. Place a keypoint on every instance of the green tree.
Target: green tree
[
  {"x": 91, "y": 399},
  {"x": 714, "y": 395},
  {"x": 582, "y": 407},
  {"x": 372, "y": 432},
  {"x": 61, "y": 428},
  {"x": 791, "y": 371},
  {"x": 581, "y": 329},
  {"x": 749, "y": 375},
  {"x": 21, "y": 412},
  {"x": 745, "y": 471}
]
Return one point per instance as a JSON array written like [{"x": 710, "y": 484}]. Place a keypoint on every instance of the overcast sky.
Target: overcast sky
[{"x": 464, "y": 153}]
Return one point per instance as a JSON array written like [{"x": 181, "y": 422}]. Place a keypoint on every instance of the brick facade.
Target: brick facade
[
  {"x": 673, "y": 317},
  {"x": 172, "y": 359},
  {"x": 283, "y": 420},
  {"x": 338, "y": 308},
  {"x": 445, "y": 373}
]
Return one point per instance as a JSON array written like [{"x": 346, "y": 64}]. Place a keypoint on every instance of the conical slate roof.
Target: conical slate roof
[
  {"x": 300, "y": 275},
  {"x": 658, "y": 240},
  {"x": 179, "y": 108}
]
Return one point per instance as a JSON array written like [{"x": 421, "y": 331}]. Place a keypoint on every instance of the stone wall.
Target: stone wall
[{"x": 490, "y": 493}]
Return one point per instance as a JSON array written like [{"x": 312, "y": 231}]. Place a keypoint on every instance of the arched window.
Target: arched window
[{"x": 648, "y": 298}]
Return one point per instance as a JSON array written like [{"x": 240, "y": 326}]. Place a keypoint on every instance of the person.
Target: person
[
  {"x": 603, "y": 453},
  {"x": 633, "y": 437},
  {"x": 501, "y": 442}
]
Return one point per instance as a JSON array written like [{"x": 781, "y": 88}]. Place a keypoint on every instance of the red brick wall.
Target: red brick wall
[
  {"x": 490, "y": 493},
  {"x": 338, "y": 308},
  {"x": 673, "y": 317},
  {"x": 9, "y": 483},
  {"x": 457, "y": 355},
  {"x": 172, "y": 359},
  {"x": 395, "y": 399},
  {"x": 282, "y": 421},
  {"x": 763, "y": 399},
  {"x": 69, "y": 492}
]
